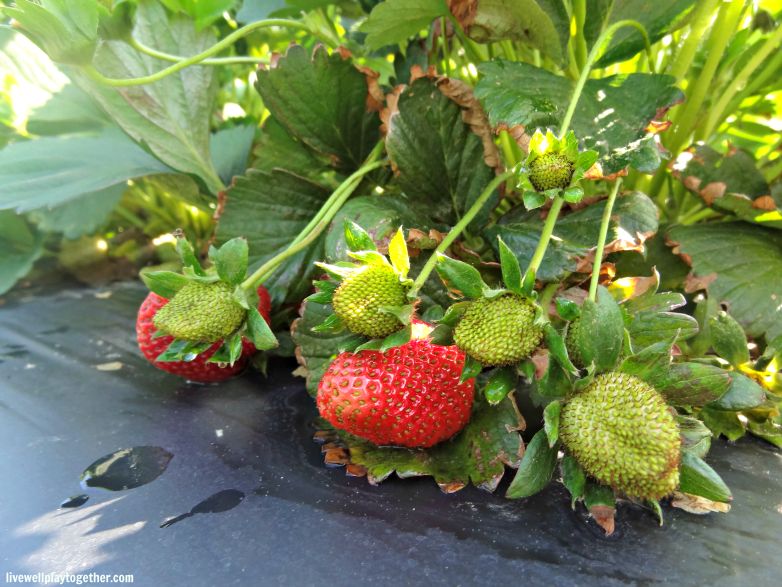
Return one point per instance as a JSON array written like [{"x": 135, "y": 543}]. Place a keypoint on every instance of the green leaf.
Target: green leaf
[
  {"x": 728, "y": 339},
  {"x": 231, "y": 261},
  {"x": 574, "y": 478},
  {"x": 662, "y": 302},
  {"x": 397, "y": 252},
  {"x": 478, "y": 453},
  {"x": 164, "y": 283},
  {"x": 439, "y": 159},
  {"x": 555, "y": 382},
  {"x": 471, "y": 368},
  {"x": 542, "y": 24},
  {"x": 356, "y": 237},
  {"x": 269, "y": 210},
  {"x": 743, "y": 394},
  {"x": 613, "y": 112},
  {"x": 551, "y": 422},
  {"x": 322, "y": 102},
  {"x": 745, "y": 259},
  {"x": 397, "y": 338},
  {"x": 696, "y": 436},
  {"x": 536, "y": 469},
  {"x": 502, "y": 381},
  {"x": 433, "y": 314},
  {"x": 568, "y": 310},
  {"x": 650, "y": 364},
  {"x": 204, "y": 12},
  {"x": 83, "y": 215},
  {"x": 258, "y": 331},
  {"x": 556, "y": 345},
  {"x": 68, "y": 111},
  {"x": 601, "y": 333},
  {"x": 698, "y": 478},
  {"x": 229, "y": 149},
  {"x": 533, "y": 200},
  {"x": 658, "y": 18},
  {"x": 174, "y": 122},
  {"x": 255, "y": 10},
  {"x": 511, "y": 272},
  {"x": 316, "y": 349},
  {"x": 461, "y": 279},
  {"x": 766, "y": 430},
  {"x": 50, "y": 171},
  {"x": 279, "y": 149},
  {"x": 576, "y": 233},
  {"x": 331, "y": 324},
  {"x": 351, "y": 343},
  {"x": 701, "y": 342},
  {"x": 20, "y": 247},
  {"x": 393, "y": 21},
  {"x": 725, "y": 423},
  {"x": 692, "y": 384},
  {"x": 773, "y": 352},
  {"x": 651, "y": 326}
]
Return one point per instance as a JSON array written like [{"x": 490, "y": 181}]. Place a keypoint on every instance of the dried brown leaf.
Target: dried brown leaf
[
  {"x": 696, "y": 504},
  {"x": 604, "y": 515},
  {"x": 693, "y": 283}
]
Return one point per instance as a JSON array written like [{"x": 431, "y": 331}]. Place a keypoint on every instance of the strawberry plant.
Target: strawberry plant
[{"x": 439, "y": 208}]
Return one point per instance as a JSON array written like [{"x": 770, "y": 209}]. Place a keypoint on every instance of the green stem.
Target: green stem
[
  {"x": 90, "y": 70},
  {"x": 699, "y": 216},
  {"x": 176, "y": 58},
  {"x": 601, "y": 243},
  {"x": 593, "y": 54},
  {"x": 699, "y": 24},
  {"x": 457, "y": 230},
  {"x": 545, "y": 296},
  {"x": 715, "y": 113},
  {"x": 446, "y": 52},
  {"x": 580, "y": 49},
  {"x": 545, "y": 237},
  {"x": 471, "y": 48}
]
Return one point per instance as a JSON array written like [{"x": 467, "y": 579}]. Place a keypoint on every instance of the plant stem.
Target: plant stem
[
  {"x": 545, "y": 297},
  {"x": 471, "y": 48},
  {"x": 446, "y": 52},
  {"x": 694, "y": 37},
  {"x": 601, "y": 242},
  {"x": 176, "y": 58},
  {"x": 545, "y": 237},
  {"x": 457, "y": 230},
  {"x": 593, "y": 54},
  {"x": 580, "y": 48},
  {"x": 715, "y": 113},
  {"x": 90, "y": 70}
]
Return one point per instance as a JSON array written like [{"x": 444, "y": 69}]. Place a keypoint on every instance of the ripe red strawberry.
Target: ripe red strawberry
[
  {"x": 407, "y": 396},
  {"x": 198, "y": 369}
]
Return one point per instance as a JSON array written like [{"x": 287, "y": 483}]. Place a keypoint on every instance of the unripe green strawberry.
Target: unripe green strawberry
[
  {"x": 498, "y": 331},
  {"x": 621, "y": 432},
  {"x": 571, "y": 343},
  {"x": 549, "y": 171},
  {"x": 357, "y": 301},
  {"x": 201, "y": 312}
]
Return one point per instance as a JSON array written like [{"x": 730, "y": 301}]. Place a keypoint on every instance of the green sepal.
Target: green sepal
[
  {"x": 321, "y": 297},
  {"x": 258, "y": 331},
  {"x": 337, "y": 272},
  {"x": 234, "y": 342},
  {"x": 701, "y": 342},
  {"x": 583, "y": 383},
  {"x": 398, "y": 338},
  {"x": 231, "y": 261},
  {"x": 357, "y": 239},
  {"x": 160, "y": 333},
  {"x": 773, "y": 351},
  {"x": 370, "y": 257},
  {"x": 601, "y": 334},
  {"x": 351, "y": 343},
  {"x": 556, "y": 345},
  {"x": 691, "y": 384},
  {"x": 471, "y": 369},
  {"x": 533, "y": 199},
  {"x": 397, "y": 252},
  {"x": 182, "y": 350},
  {"x": 402, "y": 313},
  {"x": 433, "y": 314},
  {"x": 511, "y": 272},
  {"x": 552, "y": 193},
  {"x": 696, "y": 436},
  {"x": 528, "y": 285},
  {"x": 490, "y": 293},
  {"x": 212, "y": 254},
  {"x": 454, "y": 313},
  {"x": 728, "y": 339},
  {"x": 373, "y": 344},
  {"x": 568, "y": 310},
  {"x": 742, "y": 394},
  {"x": 596, "y": 494},
  {"x": 192, "y": 274},
  {"x": 222, "y": 354},
  {"x": 537, "y": 467},
  {"x": 627, "y": 346},
  {"x": 461, "y": 279},
  {"x": 551, "y": 422},
  {"x": 502, "y": 381},
  {"x": 555, "y": 381},
  {"x": 246, "y": 298},
  {"x": 573, "y": 195},
  {"x": 326, "y": 286},
  {"x": 166, "y": 284},
  {"x": 188, "y": 257},
  {"x": 574, "y": 479},
  {"x": 651, "y": 363},
  {"x": 331, "y": 324},
  {"x": 698, "y": 478},
  {"x": 442, "y": 335},
  {"x": 725, "y": 423},
  {"x": 583, "y": 163}
]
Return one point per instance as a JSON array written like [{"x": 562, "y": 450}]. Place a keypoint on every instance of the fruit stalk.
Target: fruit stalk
[
  {"x": 177, "y": 58},
  {"x": 601, "y": 242},
  {"x": 457, "y": 230}
]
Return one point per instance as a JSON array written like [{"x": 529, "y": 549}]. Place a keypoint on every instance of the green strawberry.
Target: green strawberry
[
  {"x": 358, "y": 299},
  {"x": 201, "y": 312},
  {"x": 622, "y": 433},
  {"x": 551, "y": 171},
  {"x": 499, "y": 331}
]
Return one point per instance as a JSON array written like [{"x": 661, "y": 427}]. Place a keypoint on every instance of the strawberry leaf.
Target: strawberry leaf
[
  {"x": 725, "y": 423},
  {"x": 277, "y": 148},
  {"x": 692, "y": 384},
  {"x": 537, "y": 467},
  {"x": 601, "y": 334},
  {"x": 166, "y": 284},
  {"x": 393, "y": 21},
  {"x": 728, "y": 339},
  {"x": 742, "y": 394}
]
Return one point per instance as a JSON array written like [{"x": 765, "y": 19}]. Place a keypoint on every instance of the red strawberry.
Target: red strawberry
[
  {"x": 198, "y": 369},
  {"x": 407, "y": 396}
]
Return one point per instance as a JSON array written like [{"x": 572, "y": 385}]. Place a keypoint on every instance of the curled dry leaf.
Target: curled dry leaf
[
  {"x": 693, "y": 283},
  {"x": 604, "y": 515},
  {"x": 695, "y": 504}
]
